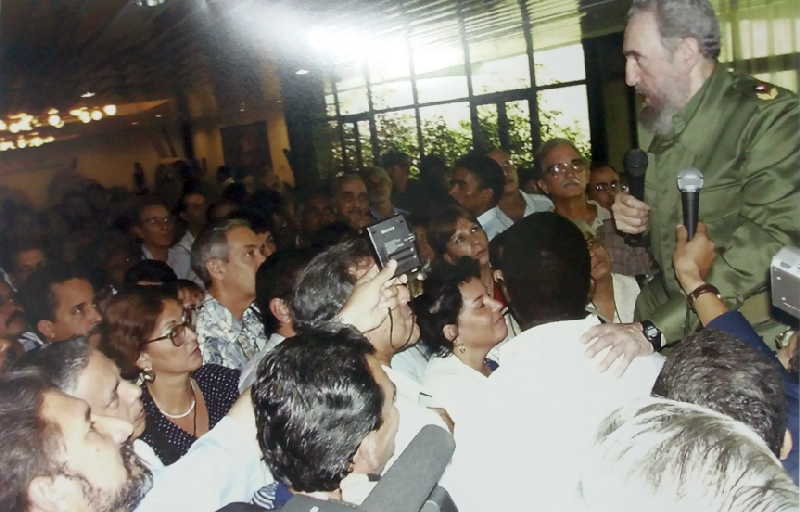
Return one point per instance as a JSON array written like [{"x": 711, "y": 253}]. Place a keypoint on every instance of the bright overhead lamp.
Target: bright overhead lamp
[
  {"x": 97, "y": 115},
  {"x": 150, "y": 3},
  {"x": 110, "y": 110},
  {"x": 88, "y": 94},
  {"x": 301, "y": 72}
]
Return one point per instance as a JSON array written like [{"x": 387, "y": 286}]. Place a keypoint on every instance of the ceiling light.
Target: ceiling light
[
  {"x": 110, "y": 110},
  {"x": 53, "y": 111},
  {"x": 54, "y": 120},
  {"x": 97, "y": 115},
  {"x": 150, "y": 3},
  {"x": 85, "y": 117},
  {"x": 301, "y": 72},
  {"x": 159, "y": 115},
  {"x": 3, "y": 125},
  {"x": 87, "y": 94}
]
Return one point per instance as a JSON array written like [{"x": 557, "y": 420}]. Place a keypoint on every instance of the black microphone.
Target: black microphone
[
  {"x": 635, "y": 164},
  {"x": 690, "y": 182}
]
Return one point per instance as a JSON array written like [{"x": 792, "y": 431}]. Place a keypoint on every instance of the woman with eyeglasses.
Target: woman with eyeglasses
[
  {"x": 563, "y": 174},
  {"x": 149, "y": 334}
]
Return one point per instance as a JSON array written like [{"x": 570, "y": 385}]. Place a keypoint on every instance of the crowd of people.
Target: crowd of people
[{"x": 230, "y": 345}]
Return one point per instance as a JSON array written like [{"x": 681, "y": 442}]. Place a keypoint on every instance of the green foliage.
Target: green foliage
[{"x": 398, "y": 132}]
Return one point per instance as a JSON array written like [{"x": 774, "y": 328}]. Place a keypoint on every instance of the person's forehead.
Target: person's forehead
[
  {"x": 154, "y": 210},
  {"x": 195, "y": 200},
  {"x": 353, "y": 186},
  {"x": 241, "y": 236},
  {"x": 471, "y": 289},
  {"x": 72, "y": 292},
  {"x": 67, "y": 412},
  {"x": 561, "y": 153},
  {"x": 604, "y": 173},
  {"x": 98, "y": 378},
  {"x": 641, "y": 32}
]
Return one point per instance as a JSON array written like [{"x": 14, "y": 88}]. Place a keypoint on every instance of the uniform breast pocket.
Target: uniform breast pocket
[{"x": 720, "y": 202}]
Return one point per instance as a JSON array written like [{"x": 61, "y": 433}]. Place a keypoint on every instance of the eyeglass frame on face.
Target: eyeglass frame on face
[
  {"x": 177, "y": 330},
  {"x": 159, "y": 221},
  {"x": 615, "y": 186},
  {"x": 575, "y": 165}
]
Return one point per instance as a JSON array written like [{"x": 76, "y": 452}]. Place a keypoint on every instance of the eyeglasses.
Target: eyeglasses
[
  {"x": 576, "y": 165},
  {"x": 177, "y": 335},
  {"x": 614, "y": 186},
  {"x": 159, "y": 221}
]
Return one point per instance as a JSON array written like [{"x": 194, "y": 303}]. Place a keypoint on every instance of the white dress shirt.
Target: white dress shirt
[
  {"x": 494, "y": 221},
  {"x": 221, "y": 467},
  {"x": 521, "y": 435}
]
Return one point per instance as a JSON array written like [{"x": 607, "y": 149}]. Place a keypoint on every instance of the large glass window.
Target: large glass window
[{"x": 428, "y": 63}]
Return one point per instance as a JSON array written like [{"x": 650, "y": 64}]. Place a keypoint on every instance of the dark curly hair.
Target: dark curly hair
[{"x": 441, "y": 302}]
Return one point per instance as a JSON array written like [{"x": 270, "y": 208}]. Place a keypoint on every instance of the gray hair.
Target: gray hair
[
  {"x": 658, "y": 454},
  {"x": 212, "y": 243},
  {"x": 678, "y": 19},
  {"x": 60, "y": 363},
  {"x": 546, "y": 148}
]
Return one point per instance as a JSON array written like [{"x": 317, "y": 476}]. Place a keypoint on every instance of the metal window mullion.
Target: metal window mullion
[
  {"x": 473, "y": 110},
  {"x": 533, "y": 100},
  {"x": 412, "y": 73},
  {"x": 339, "y": 126}
]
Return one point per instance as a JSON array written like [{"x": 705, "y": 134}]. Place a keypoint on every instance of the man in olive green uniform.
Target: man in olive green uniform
[{"x": 742, "y": 134}]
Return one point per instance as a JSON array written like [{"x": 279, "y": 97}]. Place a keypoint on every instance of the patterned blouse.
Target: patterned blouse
[{"x": 220, "y": 388}]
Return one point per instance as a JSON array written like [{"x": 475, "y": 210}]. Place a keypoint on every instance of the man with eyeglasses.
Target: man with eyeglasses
[
  {"x": 604, "y": 184},
  {"x": 563, "y": 175},
  {"x": 155, "y": 226}
]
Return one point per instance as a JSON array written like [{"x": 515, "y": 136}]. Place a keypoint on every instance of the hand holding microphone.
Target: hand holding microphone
[{"x": 631, "y": 213}]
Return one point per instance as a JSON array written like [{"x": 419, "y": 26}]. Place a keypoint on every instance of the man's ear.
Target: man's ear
[
  {"x": 47, "y": 328},
  {"x": 688, "y": 51},
  {"x": 450, "y": 332},
  {"x": 215, "y": 268},
  {"x": 367, "y": 457},
  {"x": 280, "y": 310},
  {"x": 55, "y": 494},
  {"x": 786, "y": 447}
]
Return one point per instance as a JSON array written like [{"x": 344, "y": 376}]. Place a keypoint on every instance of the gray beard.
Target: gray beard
[{"x": 658, "y": 121}]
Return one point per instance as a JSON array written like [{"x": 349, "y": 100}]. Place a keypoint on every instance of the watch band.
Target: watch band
[
  {"x": 652, "y": 333},
  {"x": 701, "y": 290}
]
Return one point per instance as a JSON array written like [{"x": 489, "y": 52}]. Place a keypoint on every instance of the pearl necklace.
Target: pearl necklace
[{"x": 177, "y": 416}]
